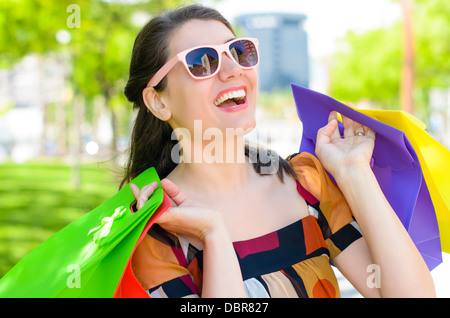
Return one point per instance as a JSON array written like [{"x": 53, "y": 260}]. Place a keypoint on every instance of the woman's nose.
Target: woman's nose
[{"x": 229, "y": 68}]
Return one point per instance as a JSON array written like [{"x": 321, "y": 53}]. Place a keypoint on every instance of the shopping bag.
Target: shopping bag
[
  {"x": 129, "y": 286},
  {"x": 89, "y": 256},
  {"x": 394, "y": 163},
  {"x": 434, "y": 159}
]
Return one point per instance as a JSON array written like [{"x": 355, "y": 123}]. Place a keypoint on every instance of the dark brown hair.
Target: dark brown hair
[{"x": 151, "y": 142}]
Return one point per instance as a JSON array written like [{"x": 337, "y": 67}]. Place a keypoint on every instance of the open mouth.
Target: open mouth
[{"x": 231, "y": 99}]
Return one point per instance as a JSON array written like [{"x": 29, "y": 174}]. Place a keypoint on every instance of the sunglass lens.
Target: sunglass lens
[
  {"x": 244, "y": 52},
  {"x": 202, "y": 62}
]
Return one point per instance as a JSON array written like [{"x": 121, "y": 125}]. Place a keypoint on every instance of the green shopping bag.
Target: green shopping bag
[{"x": 88, "y": 257}]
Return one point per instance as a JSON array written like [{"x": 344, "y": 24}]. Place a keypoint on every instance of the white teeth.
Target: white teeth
[{"x": 235, "y": 94}]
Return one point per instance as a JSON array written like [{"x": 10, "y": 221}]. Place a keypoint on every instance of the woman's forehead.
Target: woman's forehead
[{"x": 199, "y": 32}]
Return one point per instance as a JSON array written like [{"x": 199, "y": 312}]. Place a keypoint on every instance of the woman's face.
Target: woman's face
[{"x": 189, "y": 99}]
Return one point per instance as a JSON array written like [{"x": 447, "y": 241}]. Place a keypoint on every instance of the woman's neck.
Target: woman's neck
[{"x": 213, "y": 166}]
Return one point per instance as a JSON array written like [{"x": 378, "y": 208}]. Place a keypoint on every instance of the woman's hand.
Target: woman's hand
[
  {"x": 339, "y": 154},
  {"x": 186, "y": 217},
  {"x": 200, "y": 225}
]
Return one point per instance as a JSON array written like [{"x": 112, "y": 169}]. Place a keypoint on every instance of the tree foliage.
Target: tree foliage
[
  {"x": 432, "y": 29},
  {"x": 368, "y": 65},
  {"x": 98, "y": 50}
]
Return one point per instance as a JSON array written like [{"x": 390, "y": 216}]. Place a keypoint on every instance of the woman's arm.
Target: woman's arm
[
  {"x": 221, "y": 271},
  {"x": 403, "y": 272},
  {"x": 386, "y": 243},
  {"x": 222, "y": 275}
]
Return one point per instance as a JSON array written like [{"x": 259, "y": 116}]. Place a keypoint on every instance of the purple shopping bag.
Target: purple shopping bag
[{"x": 395, "y": 165}]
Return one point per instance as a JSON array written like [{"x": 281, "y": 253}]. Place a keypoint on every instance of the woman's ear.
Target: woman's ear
[{"x": 155, "y": 105}]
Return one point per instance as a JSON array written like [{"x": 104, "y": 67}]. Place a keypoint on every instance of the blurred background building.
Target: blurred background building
[{"x": 283, "y": 44}]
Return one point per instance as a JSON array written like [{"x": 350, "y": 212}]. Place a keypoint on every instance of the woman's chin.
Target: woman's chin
[{"x": 242, "y": 127}]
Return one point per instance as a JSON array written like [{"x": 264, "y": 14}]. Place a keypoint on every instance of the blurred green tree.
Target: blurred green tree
[
  {"x": 98, "y": 49},
  {"x": 94, "y": 38},
  {"x": 432, "y": 34},
  {"x": 368, "y": 66}
]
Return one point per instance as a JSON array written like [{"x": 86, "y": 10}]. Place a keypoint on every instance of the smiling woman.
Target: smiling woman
[
  {"x": 153, "y": 57},
  {"x": 235, "y": 229}
]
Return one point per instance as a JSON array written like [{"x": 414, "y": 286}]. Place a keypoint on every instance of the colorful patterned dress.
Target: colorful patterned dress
[{"x": 291, "y": 262}]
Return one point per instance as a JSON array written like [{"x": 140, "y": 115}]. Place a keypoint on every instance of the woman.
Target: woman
[{"x": 234, "y": 230}]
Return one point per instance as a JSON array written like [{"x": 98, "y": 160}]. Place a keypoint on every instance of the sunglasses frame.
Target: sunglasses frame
[{"x": 181, "y": 57}]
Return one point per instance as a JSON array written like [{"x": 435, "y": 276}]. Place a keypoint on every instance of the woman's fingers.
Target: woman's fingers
[
  {"x": 148, "y": 189},
  {"x": 333, "y": 116},
  {"x": 135, "y": 190},
  {"x": 369, "y": 132},
  {"x": 328, "y": 132},
  {"x": 352, "y": 128},
  {"x": 349, "y": 130},
  {"x": 174, "y": 192},
  {"x": 143, "y": 194}
]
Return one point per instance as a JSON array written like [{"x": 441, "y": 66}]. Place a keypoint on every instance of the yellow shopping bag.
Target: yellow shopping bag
[{"x": 434, "y": 159}]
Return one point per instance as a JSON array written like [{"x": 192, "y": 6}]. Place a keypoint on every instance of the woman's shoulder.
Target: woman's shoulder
[
  {"x": 309, "y": 171},
  {"x": 303, "y": 159}
]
